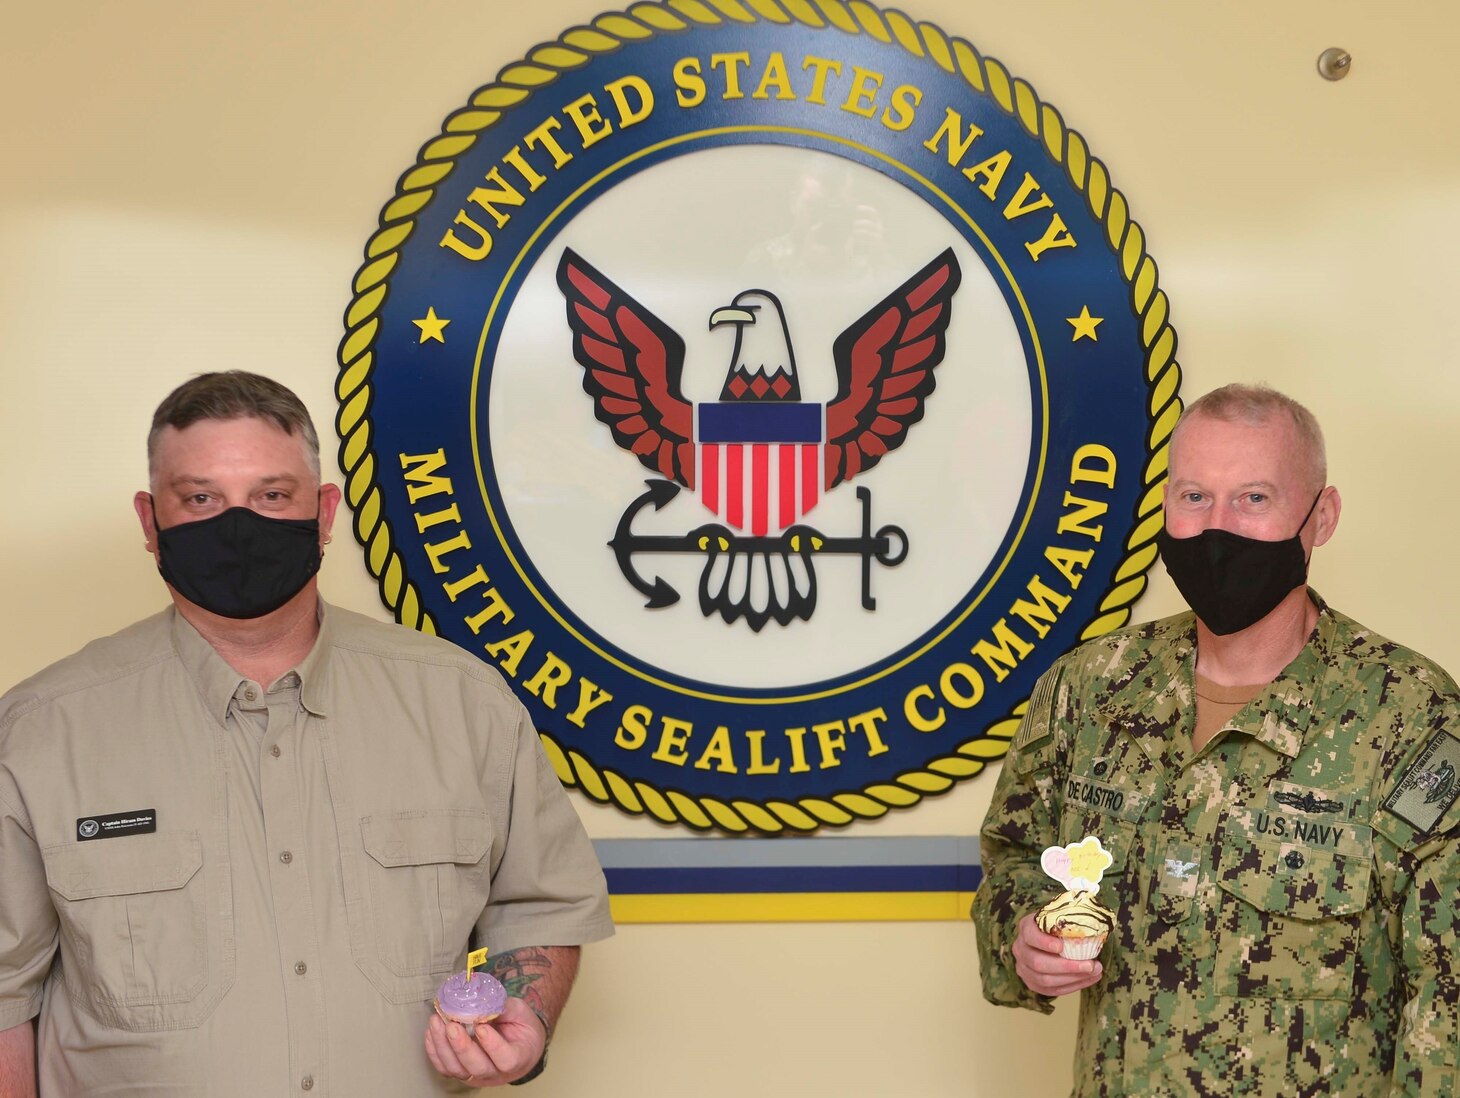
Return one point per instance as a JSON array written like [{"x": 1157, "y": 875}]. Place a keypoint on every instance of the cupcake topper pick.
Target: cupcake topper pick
[
  {"x": 474, "y": 958},
  {"x": 1078, "y": 866}
]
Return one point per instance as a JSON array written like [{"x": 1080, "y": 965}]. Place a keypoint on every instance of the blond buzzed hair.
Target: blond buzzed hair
[{"x": 1256, "y": 405}]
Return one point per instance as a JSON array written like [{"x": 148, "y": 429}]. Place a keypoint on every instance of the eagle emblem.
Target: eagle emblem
[
  {"x": 760, "y": 458},
  {"x": 1179, "y": 870},
  {"x": 1439, "y": 784}
]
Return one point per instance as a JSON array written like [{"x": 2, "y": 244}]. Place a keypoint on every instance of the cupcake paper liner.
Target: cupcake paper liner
[{"x": 1083, "y": 949}]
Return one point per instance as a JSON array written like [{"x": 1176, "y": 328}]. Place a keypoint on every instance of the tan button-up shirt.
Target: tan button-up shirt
[{"x": 213, "y": 886}]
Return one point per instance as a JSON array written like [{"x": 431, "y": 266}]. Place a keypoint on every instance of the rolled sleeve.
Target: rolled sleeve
[
  {"x": 547, "y": 888},
  {"x": 28, "y": 926}
]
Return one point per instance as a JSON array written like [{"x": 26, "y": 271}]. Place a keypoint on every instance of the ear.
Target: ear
[
  {"x": 147, "y": 516},
  {"x": 329, "y": 503},
  {"x": 1325, "y": 515}
]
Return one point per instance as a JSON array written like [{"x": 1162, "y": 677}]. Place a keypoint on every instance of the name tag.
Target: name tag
[
  {"x": 1319, "y": 818},
  {"x": 1090, "y": 790},
  {"x": 139, "y": 821},
  {"x": 1301, "y": 830}
]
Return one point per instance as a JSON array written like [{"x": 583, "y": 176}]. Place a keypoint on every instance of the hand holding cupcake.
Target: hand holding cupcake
[{"x": 1076, "y": 916}]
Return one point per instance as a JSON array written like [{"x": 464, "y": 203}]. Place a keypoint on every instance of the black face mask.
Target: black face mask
[
  {"x": 239, "y": 564},
  {"x": 1232, "y": 581}
]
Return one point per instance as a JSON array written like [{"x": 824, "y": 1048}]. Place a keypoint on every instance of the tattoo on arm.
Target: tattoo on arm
[
  {"x": 541, "y": 976},
  {"x": 519, "y": 970}
]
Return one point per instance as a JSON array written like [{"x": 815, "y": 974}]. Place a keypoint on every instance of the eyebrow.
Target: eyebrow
[
  {"x": 184, "y": 480},
  {"x": 1248, "y": 486}
]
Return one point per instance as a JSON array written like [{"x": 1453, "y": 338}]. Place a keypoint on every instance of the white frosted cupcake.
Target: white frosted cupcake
[{"x": 1080, "y": 920}]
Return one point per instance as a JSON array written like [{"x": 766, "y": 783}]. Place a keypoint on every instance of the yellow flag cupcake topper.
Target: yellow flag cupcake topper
[{"x": 474, "y": 958}]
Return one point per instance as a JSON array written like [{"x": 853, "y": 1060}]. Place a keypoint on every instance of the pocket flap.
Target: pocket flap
[
  {"x": 1115, "y": 835},
  {"x": 123, "y": 866},
  {"x": 1293, "y": 878},
  {"x": 424, "y": 838}
]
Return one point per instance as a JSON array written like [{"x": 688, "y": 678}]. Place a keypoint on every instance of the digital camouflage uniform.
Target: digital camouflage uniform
[{"x": 1285, "y": 899}]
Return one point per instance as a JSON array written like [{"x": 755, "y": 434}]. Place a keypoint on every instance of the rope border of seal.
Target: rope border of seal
[{"x": 607, "y": 33}]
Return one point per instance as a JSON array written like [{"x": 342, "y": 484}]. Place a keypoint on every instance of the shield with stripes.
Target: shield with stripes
[{"x": 760, "y": 464}]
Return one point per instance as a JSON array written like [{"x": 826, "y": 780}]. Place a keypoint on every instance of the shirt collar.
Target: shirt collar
[
  {"x": 314, "y": 669},
  {"x": 217, "y": 682},
  {"x": 1278, "y": 716}
]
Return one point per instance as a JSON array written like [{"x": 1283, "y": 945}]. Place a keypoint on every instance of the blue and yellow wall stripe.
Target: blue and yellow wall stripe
[{"x": 790, "y": 880}]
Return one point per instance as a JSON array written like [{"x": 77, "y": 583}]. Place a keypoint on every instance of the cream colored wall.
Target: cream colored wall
[{"x": 189, "y": 186}]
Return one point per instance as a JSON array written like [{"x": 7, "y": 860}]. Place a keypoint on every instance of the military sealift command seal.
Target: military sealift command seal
[{"x": 771, "y": 391}]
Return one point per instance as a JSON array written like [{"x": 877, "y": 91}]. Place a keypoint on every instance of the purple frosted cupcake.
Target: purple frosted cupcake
[{"x": 470, "y": 1000}]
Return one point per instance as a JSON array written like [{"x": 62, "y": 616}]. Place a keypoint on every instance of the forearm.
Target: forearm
[
  {"x": 1021, "y": 822},
  {"x": 1014, "y": 886},
  {"x": 17, "y": 1061},
  {"x": 542, "y": 976}
]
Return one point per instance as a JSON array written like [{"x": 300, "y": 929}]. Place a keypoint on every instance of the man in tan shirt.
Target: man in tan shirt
[{"x": 243, "y": 841}]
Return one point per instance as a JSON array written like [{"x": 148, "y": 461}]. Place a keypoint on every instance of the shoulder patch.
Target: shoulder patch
[
  {"x": 1429, "y": 785},
  {"x": 1035, "y": 726}
]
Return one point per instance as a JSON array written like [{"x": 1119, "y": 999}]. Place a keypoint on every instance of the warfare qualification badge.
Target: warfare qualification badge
[{"x": 771, "y": 391}]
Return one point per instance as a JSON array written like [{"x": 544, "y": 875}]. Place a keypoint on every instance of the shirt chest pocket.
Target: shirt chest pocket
[
  {"x": 427, "y": 879},
  {"x": 135, "y": 939},
  {"x": 1109, "y": 810},
  {"x": 1288, "y": 919}
]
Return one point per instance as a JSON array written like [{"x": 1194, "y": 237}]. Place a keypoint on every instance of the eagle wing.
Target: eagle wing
[
  {"x": 632, "y": 362},
  {"x": 884, "y": 366}
]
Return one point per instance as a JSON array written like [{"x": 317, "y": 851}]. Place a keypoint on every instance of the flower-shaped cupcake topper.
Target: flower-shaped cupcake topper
[{"x": 1078, "y": 866}]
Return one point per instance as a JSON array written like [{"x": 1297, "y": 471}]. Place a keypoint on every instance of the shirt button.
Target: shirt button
[
  {"x": 300, "y": 968},
  {"x": 250, "y": 693},
  {"x": 286, "y": 857},
  {"x": 274, "y": 751},
  {"x": 307, "y": 1083},
  {"x": 1294, "y": 860}
]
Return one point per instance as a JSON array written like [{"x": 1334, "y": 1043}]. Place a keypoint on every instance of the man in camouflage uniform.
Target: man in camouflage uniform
[{"x": 1277, "y": 786}]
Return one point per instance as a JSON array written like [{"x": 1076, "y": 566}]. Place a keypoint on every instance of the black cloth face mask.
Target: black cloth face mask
[
  {"x": 1232, "y": 581},
  {"x": 239, "y": 564}
]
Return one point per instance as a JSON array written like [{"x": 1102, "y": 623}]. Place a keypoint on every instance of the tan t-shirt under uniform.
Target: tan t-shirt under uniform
[
  {"x": 1217, "y": 704},
  {"x": 207, "y": 887}
]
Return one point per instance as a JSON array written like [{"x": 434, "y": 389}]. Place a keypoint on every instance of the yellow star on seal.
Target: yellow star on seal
[
  {"x": 432, "y": 326},
  {"x": 1084, "y": 325}
]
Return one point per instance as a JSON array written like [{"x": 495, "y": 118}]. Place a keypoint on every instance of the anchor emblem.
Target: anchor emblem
[
  {"x": 787, "y": 559},
  {"x": 760, "y": 458}
]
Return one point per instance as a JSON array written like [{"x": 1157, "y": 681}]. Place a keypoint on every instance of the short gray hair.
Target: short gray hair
[
  {"x": 234, "y": 394},
  {"x": 1256, "y": 405}
]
